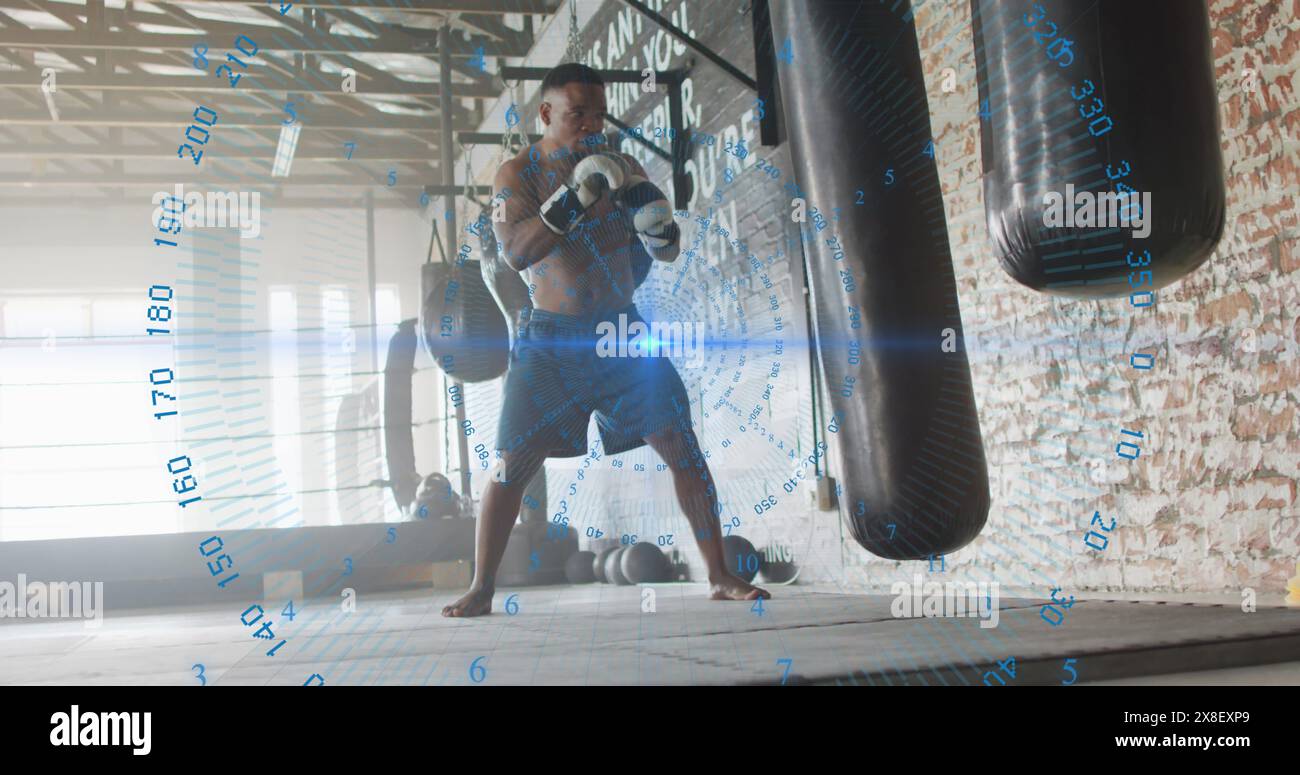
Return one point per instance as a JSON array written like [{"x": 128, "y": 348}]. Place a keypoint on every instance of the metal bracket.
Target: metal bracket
[
  {"x": 765, "y": 66},
  {"x": 764, "y": 59},
  {"x": 705, "y": 51},
  {"x": 627, "y": 132}
]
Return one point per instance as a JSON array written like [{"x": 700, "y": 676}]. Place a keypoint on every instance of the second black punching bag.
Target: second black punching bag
[
  {"x": 904, "y": 429},
  {"x": 1099, "y": 123}
]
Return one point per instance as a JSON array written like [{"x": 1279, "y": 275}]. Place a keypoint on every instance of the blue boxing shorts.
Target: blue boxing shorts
[{"x": 557, "y": 379}]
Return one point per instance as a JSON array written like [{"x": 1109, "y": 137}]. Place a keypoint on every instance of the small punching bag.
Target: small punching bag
[
  {"x": 1095, "y": 113},
  {"x": 460, "y": 323},
  {"x": 904, "y": 430}
]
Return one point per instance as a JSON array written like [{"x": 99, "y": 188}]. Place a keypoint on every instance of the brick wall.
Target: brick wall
[{"x": 1210, "y": 504}]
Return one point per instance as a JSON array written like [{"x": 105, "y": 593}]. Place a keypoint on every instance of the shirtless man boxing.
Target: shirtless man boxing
[{"x": 574, "y": 217}]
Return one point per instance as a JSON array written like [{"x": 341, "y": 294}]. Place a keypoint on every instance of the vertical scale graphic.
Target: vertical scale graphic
[{"x": 223, "y": 351}]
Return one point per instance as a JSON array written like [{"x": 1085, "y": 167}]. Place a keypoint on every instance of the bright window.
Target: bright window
[
  {"x": 286, "y": 391},
  {"x": 79, "y": 434}
]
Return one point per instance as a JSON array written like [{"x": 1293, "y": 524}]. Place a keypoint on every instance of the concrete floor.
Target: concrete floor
[{"x": 599, "y": 634}]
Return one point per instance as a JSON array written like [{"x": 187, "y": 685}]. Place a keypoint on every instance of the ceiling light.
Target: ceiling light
[{"x": 285, "y": 150}]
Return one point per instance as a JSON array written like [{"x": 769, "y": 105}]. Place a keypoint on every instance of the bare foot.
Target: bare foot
[
  {"x": 731, "y": 587},
  {"x": 476, "y": 602}
]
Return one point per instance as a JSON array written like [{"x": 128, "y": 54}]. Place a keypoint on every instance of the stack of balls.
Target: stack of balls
[{"x": 638, "y": 563}]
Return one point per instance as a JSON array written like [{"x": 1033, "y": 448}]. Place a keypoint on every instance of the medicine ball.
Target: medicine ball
[
  {"x": 553, "y": 545},
  {"x": 644, "y": 563},
  {"x": 436, "y": 498},
  {"x": 742, "y": 558},
  {"x": 598, "y": 565},
  {"x": 578, "y": 568},
  {"x": 779, "y": 566},
  {"x": 614, "y": 567}
]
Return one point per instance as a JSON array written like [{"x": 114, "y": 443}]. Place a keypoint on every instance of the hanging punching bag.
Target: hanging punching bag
[
  {"x": 461, "y": 325},
  {"x": 1100, "y": 135},
  {"x": 399, "y": 447},
  {"x": 904, "y": 430}
]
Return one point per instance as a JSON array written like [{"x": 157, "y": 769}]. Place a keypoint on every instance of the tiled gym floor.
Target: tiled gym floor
[{"x": 599, "y": 634}]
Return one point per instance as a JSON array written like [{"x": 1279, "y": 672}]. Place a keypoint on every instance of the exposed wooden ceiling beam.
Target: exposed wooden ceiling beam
[
  {"x": 311, "y": 115},
  {"x": 483, "y": 7},
  {"x": 272, "y": 39},
  {"x": 364, "y": 178},
  {"x": 414, "y": 153},
  {"x": 64, "y": 202},
  {"x": 379, "y": 84}
]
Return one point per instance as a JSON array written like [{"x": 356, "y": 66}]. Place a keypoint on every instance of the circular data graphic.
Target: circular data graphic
[{"x": 652, "y": 342}]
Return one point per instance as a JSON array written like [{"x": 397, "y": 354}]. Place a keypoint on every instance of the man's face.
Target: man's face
[{"x": 576, "y": 111}]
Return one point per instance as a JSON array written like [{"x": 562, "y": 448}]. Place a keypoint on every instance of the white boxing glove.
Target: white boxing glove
[
  {"x": 652, "y": 215},
  {"x": 591, "y": 178},
  {"x": 623, "y": 166}
]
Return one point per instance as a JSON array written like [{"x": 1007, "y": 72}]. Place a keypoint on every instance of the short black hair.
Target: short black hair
[{"x": 570, "y": 72}]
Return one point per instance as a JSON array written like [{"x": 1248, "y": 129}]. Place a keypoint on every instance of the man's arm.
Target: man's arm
[
  {"x": 523, "y": 238},
  {"x": 537, "y": 231},
  {"x": 654, "y": 224}
]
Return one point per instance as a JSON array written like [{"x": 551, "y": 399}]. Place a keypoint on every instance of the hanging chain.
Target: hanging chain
[
  {"x": 514, "y": 125},
  {"x": 574, "y": 51},
  {"x": 467, "y": 194}
]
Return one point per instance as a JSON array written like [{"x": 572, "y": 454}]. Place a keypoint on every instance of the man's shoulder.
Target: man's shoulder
[
  {"x": 513, "y": 165},
  {"x": 511, "y": 176}
]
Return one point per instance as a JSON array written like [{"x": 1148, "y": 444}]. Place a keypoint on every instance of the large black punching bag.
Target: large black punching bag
[
  {"x": 904, "y": 429},
  {"x": 1093, "y": 110}
]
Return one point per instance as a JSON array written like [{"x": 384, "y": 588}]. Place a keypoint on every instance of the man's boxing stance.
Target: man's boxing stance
[{"x": 572, "y": 219}]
